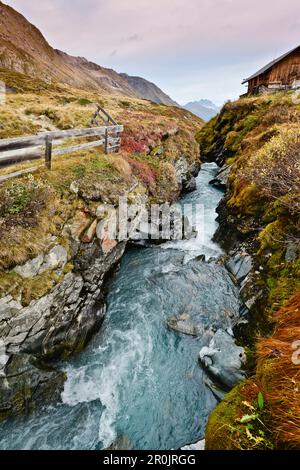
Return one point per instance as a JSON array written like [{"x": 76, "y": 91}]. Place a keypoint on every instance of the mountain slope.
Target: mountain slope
[
  {"x": 148, "y": 90},
  {"x": 24, "y": 49},
  {"x": 205, "y": 109}
]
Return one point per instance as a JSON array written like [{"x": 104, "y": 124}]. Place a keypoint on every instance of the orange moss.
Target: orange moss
[{"x": 278, "y": 373}]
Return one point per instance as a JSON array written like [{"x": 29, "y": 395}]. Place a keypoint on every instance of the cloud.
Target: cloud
[{"x": 134, "y": 37}]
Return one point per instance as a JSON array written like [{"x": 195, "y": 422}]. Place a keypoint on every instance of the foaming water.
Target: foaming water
[
  {"x": 206, "y": 224},
  {"x": 138, "y": 380}
]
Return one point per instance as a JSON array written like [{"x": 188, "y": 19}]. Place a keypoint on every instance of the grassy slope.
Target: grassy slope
[
  {"x": 36, "y": 207},
  {"x": 260, "y": 137}
]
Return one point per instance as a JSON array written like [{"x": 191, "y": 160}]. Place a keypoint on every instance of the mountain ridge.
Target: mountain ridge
[
  {"x": 204, "y": 108},
  {"x": 24, "y": 49},
  {"x": 148, "y": 90}
]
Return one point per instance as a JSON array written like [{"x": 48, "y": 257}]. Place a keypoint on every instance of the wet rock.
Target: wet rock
[
  {"x": 240, "y": 264},
  {"x": 26, "y": 386},
  {"x": 292, "y": 252},
  {"x": 190, "y": 185},
  {"x": 220, "y": 180},
  {"x": 183, "y": 324},
  {"x": 195, "y": 168},
  {"x": 232, "y": 232},
  {"x": 218, "y": 393},
  {"x": 223, "y": 359},
  {"x": 197, "y": 446},
  {"x": 121, "y": 443},
  {"x": 185, "y": 174}
]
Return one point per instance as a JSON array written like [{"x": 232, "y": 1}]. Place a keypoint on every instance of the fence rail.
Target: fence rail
[{"x": 21, "y": 149}]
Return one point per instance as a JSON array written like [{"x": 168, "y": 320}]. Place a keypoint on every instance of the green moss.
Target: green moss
[
  {"x": 125, "y": 104},
  {"x": 17, "y": 195},
  {"x": 283, "y": 283},
  {"x": 239, "y": 421},
  {"x": 79, "y": 170},
  {"x": 221, "y": 432},
  {"x": 84, "y": 102},
  {"x": 27, "y": 289}
]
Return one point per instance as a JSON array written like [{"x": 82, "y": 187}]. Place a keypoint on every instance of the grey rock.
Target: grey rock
[
  {"x": 250, "y": 291},
  {"x": 239, "y": 265},
  {"x": 190, "y": 185},
  {"x": 105, "y": 210},
  {"x": 218, "y": 393},
  {"x": 223, "y": 359},
  {"x": 220, "y": 180},
  {"x": 26, "y": 386},
  {"x": 56, "y": 258},
  {"x": 197, "y": 446},
  {"x": 183, "y": 325},
  {"x": 195, "y": 168},
  {"x": 74, "y": 187},
  {"x": 292, "y": 252},
  {"x": 185, "y": 174},
  {"x": 31, "y": 268},
  {"x": 181, "y": 169},
  {"x": 121, "y": 443}
]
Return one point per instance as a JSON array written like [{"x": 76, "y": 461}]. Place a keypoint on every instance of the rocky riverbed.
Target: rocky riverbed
[
  {"x": 178, "y": 286},
  {"x": 62, "y": 322}
]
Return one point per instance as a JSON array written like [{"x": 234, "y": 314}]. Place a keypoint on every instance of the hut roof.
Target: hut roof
[{"x": 268, "y": 66}]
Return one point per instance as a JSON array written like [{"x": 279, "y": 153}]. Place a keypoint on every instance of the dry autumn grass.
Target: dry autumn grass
[
  {"x": 36, "y": 207},
  {"x": 278, "y": 374},
  {"x": 260, "y": 137}
]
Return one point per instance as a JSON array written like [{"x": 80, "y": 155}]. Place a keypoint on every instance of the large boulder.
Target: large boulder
[
  {"x": 186, "y": 173},
  {"x": 26, "y": 386},
  {"x": 221, "y": 178},
  {"x": 223, "y": 360},
  {"x": 239, "y": 265}
]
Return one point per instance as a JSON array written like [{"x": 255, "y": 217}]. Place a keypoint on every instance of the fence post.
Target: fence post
[
  {"x": 106, "y": 141},
  {"x": 48, "y": 153}
]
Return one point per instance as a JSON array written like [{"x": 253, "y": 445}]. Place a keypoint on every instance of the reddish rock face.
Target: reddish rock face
[
  {"x": 108, "y": 245},
  {"x": 90, "y": 233},
  {"x": 80, "y": 223}
]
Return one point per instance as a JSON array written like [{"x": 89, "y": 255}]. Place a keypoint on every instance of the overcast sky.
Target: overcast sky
[{"x": 192, "y": 49}]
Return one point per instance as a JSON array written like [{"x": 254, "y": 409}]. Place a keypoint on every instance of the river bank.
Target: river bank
[{"x": 257, "y": 141}]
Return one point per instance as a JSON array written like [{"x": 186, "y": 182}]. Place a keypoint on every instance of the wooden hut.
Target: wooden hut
[{"x": 280, "y": 74}]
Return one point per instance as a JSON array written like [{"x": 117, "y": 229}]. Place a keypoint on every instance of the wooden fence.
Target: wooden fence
[{"x": 34, "y": 147}]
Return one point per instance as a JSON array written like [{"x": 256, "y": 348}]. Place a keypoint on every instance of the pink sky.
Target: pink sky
[{"x": 192, "y": 49}]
